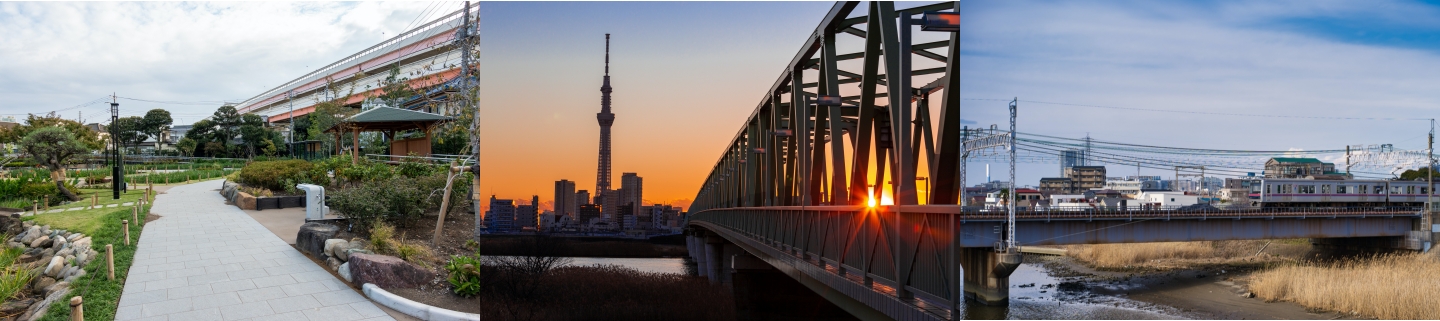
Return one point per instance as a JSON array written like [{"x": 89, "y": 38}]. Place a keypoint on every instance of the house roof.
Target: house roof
[
  {"x": 1295, "y": 160},
  {"x": 391, "y": 114},
  {"x": 390, "y": 118}
]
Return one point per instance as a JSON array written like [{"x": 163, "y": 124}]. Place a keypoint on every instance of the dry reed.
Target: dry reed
[
  {"x": 1394, "y": 286},
  {"x": 1125, "y": 255}
]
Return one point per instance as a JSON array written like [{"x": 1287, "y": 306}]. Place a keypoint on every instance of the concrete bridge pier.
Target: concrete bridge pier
[{"x": 987, "y": 274}]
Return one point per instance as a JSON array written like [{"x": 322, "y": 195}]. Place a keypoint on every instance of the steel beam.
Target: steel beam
[{"x": 946, "y": 183}]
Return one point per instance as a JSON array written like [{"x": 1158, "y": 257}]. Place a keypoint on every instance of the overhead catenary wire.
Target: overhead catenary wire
[{"x": 1202, "y": 112}]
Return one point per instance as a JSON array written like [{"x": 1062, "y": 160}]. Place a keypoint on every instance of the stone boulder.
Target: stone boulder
[
  {"x": 355, "y": 245},
  {"x": 344, "y": 271},
  {"x": 43, "y": 241},
  {"x": 57, "y": 263},
  {"x": 245, "y": 201},
  {"x": 311, "y": 238},
  {"x": 40, "y": 283},
  {"x": 58, "y": 242},
  {"x": 333, "y": 247},
  {"x": 387, "y": 272},
  {"x": 31, "y": 234}
]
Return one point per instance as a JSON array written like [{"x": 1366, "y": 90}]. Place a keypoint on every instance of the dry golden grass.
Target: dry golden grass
[
  {"x": 1395, "y": 286},
  {"x": 1176, "y": 254}
]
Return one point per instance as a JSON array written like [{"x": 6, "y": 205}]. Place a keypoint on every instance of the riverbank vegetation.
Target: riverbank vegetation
[
  {"x": 1388, "y": 286},
  {"x": 1171, "y": 255}
]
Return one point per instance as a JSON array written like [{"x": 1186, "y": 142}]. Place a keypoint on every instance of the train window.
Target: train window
[
  {"x": 1339, "y": 189},
  {"x": 1409, "y": 190},
  {"x": 1379, "y": 190},
  {"x": 1394, "y": 189},
  {"x": 1424, "y": 190},
  {"x": 1324, "y": 189},
  {"x": 1363, "y": 189}
]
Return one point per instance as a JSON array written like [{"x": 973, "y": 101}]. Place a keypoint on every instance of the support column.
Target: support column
[
  {"x": 987, "y": 274},
  {"x": 712, "y": 263}
]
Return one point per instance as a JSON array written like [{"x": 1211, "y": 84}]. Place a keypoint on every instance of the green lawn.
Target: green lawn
[
  {"x": 103, "y": 197},
  {"x": 101, "y": 296}
]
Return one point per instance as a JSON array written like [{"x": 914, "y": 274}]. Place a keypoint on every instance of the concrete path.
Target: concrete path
[{"x": 204, "y": 260}]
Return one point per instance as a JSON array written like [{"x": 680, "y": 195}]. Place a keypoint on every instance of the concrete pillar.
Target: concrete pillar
[
  {"x": 727, "y": 253},
  {"x": 702, "y": 266},
  {"x": 987, "y": 274},
  {"x": 763, "y": 293},
  {"x": 713, "y": 259}
]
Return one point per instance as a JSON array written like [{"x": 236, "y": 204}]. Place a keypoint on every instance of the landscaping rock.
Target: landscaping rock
[
  {"x": 15, "y": 307},
  {"x": 83, "y": 242},
  {"x": 75, "y": 275},
  {"x": 245, "y": 201},
  {"x": 41, "y": 283},
  {"x": 38, "y": 310},
  {"x": 352, "y": 251},
  {"x": 27, "y": 258},
  {"x": 58, "y": 242},
  {"x": 333, "y": 247},
  {"x": 68, "y": 251},
  {"x": 44, "y": 230},
  {"x": 57, "y": 263},
  {"x": 333, "y": 263},
  {"x": 83, "y": 257},
  {"x": 31, "y": 234},
  {"x": 16, "y": 244},
  {"x": 351, "y": 248},
  {"x": 43, "y": 241},
  {"x": 344, "y": 271},
  {"x": 311, "y": 238},
  {"x": 387, "y": 271},
  {"x": 62, "y": 285},
  {"x": 74, "y": 236}
]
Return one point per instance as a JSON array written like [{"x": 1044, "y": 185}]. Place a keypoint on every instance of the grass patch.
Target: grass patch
[
  {"x": 1392, "y": 286},
  {"x": 87, "y": 221},
  {"x": 1168, "y": 254},
  {"x": 101, "y": 296},
  {"x": 105, "y": 197}
]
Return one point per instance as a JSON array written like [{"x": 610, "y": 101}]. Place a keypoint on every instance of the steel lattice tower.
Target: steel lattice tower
[{"x": 602, "y": 180}]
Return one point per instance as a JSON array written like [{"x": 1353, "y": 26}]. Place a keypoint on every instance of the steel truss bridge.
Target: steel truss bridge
[{"x": 792, "y": 192}]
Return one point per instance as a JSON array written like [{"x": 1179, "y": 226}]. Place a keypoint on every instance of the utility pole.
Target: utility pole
[
  {"x": 290, "y": 96},
  {"x": 469, "y": 97}
]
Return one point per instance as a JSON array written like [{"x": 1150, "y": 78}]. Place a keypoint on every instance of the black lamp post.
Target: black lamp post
[{"x": 117, "y": 168}]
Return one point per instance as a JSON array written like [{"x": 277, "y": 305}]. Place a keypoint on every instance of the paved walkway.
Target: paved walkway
[{"x": 204, "y": 260}]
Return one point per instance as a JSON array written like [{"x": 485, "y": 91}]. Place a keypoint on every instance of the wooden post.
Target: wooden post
[
  {"x": 110, "y": 259},
  {"x": 35, "y": 207},
  {"x": 444, "y": 207},
  {"x": 77, "y": 311},
  {"x": 93, "y": 199},
  {"x": 126, "y": 225},
  {"x": 47, "y": 202},
  {"x": 135, "y": 213}
]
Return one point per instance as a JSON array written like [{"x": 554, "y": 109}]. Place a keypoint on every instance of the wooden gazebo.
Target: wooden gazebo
[{"x": 390, "y": 120}]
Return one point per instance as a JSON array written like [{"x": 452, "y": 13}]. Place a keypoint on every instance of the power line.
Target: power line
[{"x": 1202, "y": 112}]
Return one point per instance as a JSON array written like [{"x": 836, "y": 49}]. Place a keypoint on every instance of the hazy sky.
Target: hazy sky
[{"x": 687, "y": 74}]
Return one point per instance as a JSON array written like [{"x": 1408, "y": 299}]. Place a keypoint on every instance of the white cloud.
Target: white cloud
[{"x": 57, "y": 55}]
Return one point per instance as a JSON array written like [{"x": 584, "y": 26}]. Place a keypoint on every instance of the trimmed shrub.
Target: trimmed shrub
[
  {"x": 274, "y": 175},
  {"x": 396, "y": 200}
]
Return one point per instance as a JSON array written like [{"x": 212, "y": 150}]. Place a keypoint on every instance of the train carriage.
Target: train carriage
[{"x": 1288, "y": 192}]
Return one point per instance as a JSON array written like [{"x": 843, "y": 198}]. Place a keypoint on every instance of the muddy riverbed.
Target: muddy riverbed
[{"x": 1053, "y": 287}]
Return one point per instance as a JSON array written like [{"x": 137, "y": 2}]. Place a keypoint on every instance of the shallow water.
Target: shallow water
[{"x": 1034, "y": 294}]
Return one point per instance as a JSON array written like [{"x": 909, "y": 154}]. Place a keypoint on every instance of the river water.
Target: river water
[{"x": 1034, "y": 294}]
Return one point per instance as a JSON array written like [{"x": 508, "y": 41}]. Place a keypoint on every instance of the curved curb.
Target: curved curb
[{"x": 414, "y": 309}]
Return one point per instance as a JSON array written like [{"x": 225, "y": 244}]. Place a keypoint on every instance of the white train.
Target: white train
[{"x": 1284, "y": 192}]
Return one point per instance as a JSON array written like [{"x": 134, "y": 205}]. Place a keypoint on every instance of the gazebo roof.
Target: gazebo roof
[{"x": 390, "y": 118}]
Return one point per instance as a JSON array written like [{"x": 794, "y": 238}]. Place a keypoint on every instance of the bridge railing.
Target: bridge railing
[{"x": 913, "y": 252}]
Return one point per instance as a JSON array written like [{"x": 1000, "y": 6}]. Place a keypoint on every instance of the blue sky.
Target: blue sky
[{"x": 1356, "y": 59}]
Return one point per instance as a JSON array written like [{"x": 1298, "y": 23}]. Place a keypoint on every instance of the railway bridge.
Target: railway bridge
[{"x": 798, "y": 196}]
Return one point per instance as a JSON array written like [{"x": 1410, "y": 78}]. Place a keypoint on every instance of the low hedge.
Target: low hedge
[{"x": 275, "y": 175}]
